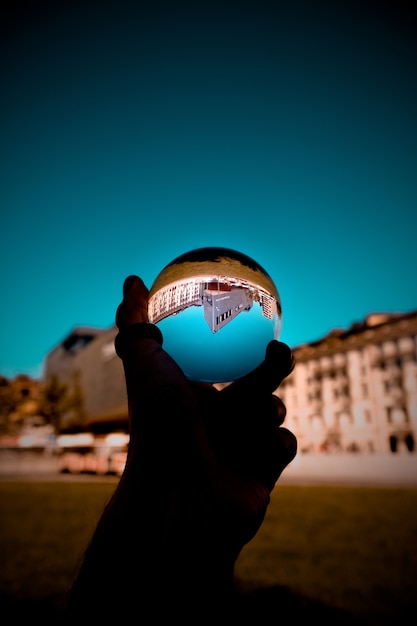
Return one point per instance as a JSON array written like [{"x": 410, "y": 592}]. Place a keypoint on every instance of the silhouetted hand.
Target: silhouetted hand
[{"x": 200, "y": 468}]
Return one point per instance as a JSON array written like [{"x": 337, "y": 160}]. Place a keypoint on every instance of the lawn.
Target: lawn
[{"x": 335, "y": 552}]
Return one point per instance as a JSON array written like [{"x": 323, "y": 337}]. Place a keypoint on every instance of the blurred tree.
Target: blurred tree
[
  {"x": 59, "y": 400},
  {"x": 18, "y": 401},
  {"x": 54, "y": 401},
  {"x": 8, "y": 404},
  {"x": 76, "y": 401}
]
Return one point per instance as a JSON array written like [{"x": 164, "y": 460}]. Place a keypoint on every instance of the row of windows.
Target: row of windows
[
  {"x": 390, "y": 387},
  {"x": 394, "y": 416},
  {"x": 395, "y": 443},
  {"x": 392, "y": 378},
  {"x": 397, "y": 351},
  {"x": 223, "y": 316}
]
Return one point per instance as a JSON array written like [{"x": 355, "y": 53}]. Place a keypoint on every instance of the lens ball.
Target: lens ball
[{"x": 217, "y": 310}]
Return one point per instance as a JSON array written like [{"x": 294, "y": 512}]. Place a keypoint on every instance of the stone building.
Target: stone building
[
  {"x": 87, "y": 358},
  {"x": 354, "y": 390}
]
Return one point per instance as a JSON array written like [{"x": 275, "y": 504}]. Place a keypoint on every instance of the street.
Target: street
[{"x": 385, "y": 470}]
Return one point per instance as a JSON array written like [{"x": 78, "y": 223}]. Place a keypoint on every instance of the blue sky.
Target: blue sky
[{"x": 134, "y": 132}]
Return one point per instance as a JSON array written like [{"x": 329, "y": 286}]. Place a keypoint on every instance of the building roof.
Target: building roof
[{"x": 366, "y": 331}]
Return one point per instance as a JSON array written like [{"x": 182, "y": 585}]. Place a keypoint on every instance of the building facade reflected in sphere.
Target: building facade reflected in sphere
[{"x": 217, "y": 310}]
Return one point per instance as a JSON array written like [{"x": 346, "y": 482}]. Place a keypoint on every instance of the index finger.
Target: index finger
[{"x": 266, "y": 378}]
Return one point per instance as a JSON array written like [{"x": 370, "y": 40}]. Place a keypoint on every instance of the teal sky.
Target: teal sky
[{"x": 133, "y": 132}]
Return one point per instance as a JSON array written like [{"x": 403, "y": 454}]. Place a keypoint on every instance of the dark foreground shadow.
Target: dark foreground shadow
[
  {"x": 265, "y": 605},
  {"x": 46, "y": 611}
]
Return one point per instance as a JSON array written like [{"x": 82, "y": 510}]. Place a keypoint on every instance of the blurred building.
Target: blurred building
[
  {"x": 87, "y": 360},
  {"x": 354, "y": 390}
]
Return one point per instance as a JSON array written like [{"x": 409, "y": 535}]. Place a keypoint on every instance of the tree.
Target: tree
[
  {"x": 8, "y": 403},
  {"x": 58, "y": 400},
  {"x": 76, "y": 401},
  {"x": 53, "y": 401}
]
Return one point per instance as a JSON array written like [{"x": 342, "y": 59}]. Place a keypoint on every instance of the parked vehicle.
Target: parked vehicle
[{"x": 92, "y": 454}]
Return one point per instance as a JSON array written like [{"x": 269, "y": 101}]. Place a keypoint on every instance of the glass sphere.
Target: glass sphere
[{"x": 217, "y": 310}]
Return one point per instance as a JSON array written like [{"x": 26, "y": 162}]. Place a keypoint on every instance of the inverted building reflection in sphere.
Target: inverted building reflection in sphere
[{"x": 217, "y": 310}]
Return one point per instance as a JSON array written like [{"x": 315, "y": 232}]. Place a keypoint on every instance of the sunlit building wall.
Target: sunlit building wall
[
  {"x": 355, "y": 390},
  {"x": 174, "y": 298}
]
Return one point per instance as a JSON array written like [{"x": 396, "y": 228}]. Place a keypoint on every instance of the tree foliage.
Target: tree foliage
[{"x": 53, "y": 401}]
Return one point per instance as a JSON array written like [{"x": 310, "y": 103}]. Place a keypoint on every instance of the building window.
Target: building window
[
  {"x": 409, "y": 442},
  {"x": 367, "y": 416},
  {"x": 316, "y": 422},
  {"x": 314, "y": 395},
  {"x": 345, "y": 419}
]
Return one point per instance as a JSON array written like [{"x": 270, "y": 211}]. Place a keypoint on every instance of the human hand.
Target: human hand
[
  {"x": 242, "y": 422},
  {"x": 200, "y": 468}
]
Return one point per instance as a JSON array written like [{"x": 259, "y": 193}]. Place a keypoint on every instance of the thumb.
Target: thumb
[{"x": 278, "y": 363}]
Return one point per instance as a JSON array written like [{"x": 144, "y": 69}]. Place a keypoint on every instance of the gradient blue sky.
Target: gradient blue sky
[{"x": 134, "y": 132}]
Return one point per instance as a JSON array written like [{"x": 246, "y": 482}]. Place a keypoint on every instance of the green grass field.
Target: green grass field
[{"x": 320, "y": 548}]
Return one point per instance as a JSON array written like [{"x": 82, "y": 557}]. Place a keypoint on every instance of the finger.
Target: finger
[
  {"x": 275, "y": 454},
  {"x": 250, "y": 439},
  {"x": 131, "y": 282},
  {"x": 134, "y": 306},
  {"x": 266, "y": 378},
  {"x": 280, "y": 409},
  {"x": 203, "y": 391}
]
